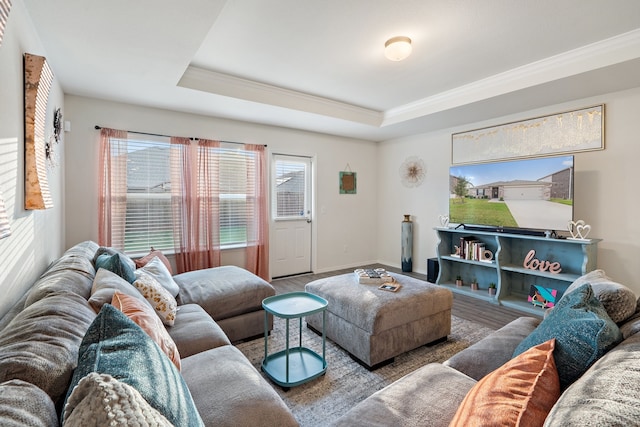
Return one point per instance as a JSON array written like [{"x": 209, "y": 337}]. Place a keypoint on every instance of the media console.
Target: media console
[{"x": 506, "y": 267}]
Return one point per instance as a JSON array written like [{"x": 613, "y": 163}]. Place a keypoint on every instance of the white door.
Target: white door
[{"x": 290, "y": 229}]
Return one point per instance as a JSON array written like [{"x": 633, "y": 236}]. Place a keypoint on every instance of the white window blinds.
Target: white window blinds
[
  {"x": 148, "y": 221},
  {"x": 290, "y": 189}
]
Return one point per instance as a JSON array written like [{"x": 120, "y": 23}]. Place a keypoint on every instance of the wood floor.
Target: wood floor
[{"x": 491, "y": 315}]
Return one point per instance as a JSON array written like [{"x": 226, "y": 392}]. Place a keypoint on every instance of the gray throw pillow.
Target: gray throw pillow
[
  {"x": 101, "y": 400},
  {"x": 617, "y": 299}
]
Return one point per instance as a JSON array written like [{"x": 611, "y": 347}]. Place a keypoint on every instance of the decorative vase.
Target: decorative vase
[
  {"x": 407, "y": 244},
  {"x": 492, "y": 291},
  {"x": 474, "y": 286}
]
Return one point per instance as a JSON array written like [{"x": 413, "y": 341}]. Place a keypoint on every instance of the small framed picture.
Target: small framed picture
[
  {"x": 390, "y": 287},
  {"x": 348, "y": 182}
]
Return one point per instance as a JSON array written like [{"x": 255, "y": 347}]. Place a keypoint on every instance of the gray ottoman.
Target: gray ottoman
[{"x": 374, "y": 325}]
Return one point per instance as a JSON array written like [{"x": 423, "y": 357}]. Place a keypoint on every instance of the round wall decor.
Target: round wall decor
[{"x": 412, "y": 171}]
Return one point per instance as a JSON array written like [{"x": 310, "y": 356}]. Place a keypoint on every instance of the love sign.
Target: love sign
[{"x": 532, "y": 263}]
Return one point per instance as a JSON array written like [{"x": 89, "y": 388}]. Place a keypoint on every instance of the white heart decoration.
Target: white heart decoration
[
  {"x": 444, "y": 220},
  {"x": 578, "y": 229},
  {"x": 583, "y": 230}
]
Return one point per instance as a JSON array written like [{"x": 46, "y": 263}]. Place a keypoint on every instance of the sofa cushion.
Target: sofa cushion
[
  {"x": 40, "y": 345},
  {"x": 78, "y": 258},
  {"x": 158, "y": 297},
  {"x": 493, "y": 351},
  {"x": 101, "y": 400},
  {"x": 607, "y": 394},
  {"x": 223, "y": 292},
  {"x": 156, "y": 269},
  {"x": 428, "y": 396},
  {"x": 116, "y": 264},
  {"x": 24, "y": 404},
  {"x": 617, "y": 299},
  {"x": 72, "y": 272},
  {"x": 195, "y": 331},
  {"x": 631, "y": 326},
  {"x": 583, "y": 331},
  {"x": 144, "y": 316},
  {"x": 105, "y": 284},
  {"x": 519, "y": 393},
  {"x": 233, "y": 393},
  {"x": 141, "y": 262},
  {"x": 60, "y": 281},
  {"x": 72, "y": 260},
  {"x": 115, "y": 345}
]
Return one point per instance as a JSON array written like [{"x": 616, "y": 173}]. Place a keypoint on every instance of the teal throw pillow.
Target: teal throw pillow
[
  {"x": 116, "y": 346},
  {"x": 116, "y": 264},
  {"x": 583, "y": 331}
]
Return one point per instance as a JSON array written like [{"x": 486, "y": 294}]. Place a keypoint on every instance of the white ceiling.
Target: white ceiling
[{"x": 319, "y": 65}]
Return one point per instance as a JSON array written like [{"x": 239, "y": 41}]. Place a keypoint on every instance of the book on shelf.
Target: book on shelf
[{"x": 471, "y": 249}]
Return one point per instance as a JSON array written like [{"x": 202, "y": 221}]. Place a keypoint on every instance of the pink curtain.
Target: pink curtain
[
  {"x": 195, "y": 203},
  {"x": 257, "y": 251},
  {"x": 112, "y": 181}
]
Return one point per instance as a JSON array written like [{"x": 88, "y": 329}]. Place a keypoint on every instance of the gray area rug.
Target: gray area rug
[{"x": 346, "y": 382}]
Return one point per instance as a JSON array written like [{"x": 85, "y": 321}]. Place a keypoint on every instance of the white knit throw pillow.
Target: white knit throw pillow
[{"x": 101, "y": 400}]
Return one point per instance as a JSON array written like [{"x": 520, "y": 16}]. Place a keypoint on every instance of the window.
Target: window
[
  {"x": 237, "y": 170},
  {"x": 291, "y": 183},
  {"x": 149, "y": 220}
]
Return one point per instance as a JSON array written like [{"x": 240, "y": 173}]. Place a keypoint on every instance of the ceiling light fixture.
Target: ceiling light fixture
[{"x": 397, "y": 48}]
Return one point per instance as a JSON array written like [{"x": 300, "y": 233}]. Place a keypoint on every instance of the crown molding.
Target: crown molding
[
  {"x": 227, "y": 85},
  {"x": 615, "y": 50}
]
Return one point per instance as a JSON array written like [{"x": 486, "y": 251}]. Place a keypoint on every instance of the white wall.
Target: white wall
[
  {"x": 606, "y": 195},
  {"x": 340, "y": 220},
  {"x": 36, "y": 237}
]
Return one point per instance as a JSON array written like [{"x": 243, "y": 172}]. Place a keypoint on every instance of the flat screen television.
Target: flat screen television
[{"x": 513, "y": 196}]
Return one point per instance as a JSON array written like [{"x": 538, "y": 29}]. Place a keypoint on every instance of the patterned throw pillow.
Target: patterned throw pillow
[
  {"x": 101, "y": 400},
  {"x": 141, "y": 313},
  {"x": 519, "y": 393},
  {"x": 116, "y": 346},
  {"x": 583, "y": 331},
  {"x": 160, "y": 299},
  {"x": 159, "y": 271}
]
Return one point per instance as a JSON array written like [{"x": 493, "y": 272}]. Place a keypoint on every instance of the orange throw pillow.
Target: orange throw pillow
[
  {"x": 144, "y": 316},
  {"x": 519, "y": 393}
]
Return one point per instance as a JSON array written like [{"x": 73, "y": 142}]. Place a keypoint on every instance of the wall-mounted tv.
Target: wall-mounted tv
[{"x": 530, "y": 194}]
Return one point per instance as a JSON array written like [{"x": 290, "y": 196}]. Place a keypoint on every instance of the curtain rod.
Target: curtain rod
[{"x": 169, "y": 136}]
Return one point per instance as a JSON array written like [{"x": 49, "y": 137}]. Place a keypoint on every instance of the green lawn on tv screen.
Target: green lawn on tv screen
[{"x": 480, "y": 211}]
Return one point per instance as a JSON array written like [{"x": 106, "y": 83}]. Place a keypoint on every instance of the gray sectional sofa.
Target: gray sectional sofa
[
  {"x": 55, "y": 332},
  {"x": 607, "y": 393}
]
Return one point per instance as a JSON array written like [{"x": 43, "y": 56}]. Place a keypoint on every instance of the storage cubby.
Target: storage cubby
[{"x": 507, "y": 268}]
